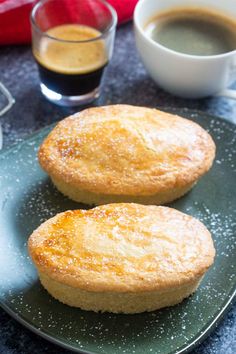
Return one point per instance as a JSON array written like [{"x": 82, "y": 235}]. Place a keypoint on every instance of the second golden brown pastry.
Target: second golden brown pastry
[
  {"x": 127, "y": 258},
  {"x": 125, "y": 153}
]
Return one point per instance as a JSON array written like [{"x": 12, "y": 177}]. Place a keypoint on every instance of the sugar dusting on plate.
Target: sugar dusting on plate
[{"x": 29, "y": 198}]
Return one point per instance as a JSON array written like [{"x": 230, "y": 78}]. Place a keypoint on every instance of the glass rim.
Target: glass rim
[{"x": 109, "y": 29}]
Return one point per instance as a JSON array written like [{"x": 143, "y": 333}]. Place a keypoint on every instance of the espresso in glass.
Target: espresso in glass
[
  {"x": 72, "y": 44},
  {"x": 69, "y": 68}
]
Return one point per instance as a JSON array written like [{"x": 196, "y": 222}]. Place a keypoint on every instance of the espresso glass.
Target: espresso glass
[{"x": 71, "y": 70}]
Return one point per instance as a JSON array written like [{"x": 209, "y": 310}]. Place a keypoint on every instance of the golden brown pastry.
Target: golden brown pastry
[
  {"x": 125, "y": 153},
  {"x": 125, "y": 258}
]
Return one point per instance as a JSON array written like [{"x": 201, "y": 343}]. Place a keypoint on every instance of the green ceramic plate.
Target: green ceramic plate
[{"x": 28, "y": 198}]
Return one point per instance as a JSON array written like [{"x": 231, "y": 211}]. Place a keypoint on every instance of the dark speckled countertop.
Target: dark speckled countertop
[{"x": 125, "y": 81}]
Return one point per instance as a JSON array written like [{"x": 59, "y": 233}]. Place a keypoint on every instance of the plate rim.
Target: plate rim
[
  {"x": 184, "y": 349},
  {"x": 191, "y": 344}
]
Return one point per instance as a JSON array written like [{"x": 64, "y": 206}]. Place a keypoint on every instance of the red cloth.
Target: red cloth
[{"x": 15, "y": 24}]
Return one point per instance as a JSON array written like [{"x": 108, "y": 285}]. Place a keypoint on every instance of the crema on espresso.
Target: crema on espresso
[{"x": 71, "y": 59}]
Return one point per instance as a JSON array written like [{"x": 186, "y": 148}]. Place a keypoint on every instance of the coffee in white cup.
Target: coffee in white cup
[{"x": 188, "y": 50}]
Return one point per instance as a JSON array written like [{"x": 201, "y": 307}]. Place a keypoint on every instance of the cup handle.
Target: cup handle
[{"x": 227, "y": 93}]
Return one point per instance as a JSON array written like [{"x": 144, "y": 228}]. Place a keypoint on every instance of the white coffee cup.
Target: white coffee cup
[{"x": 184, "y": 75}]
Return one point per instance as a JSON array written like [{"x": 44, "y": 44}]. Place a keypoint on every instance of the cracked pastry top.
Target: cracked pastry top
[
  {"x": 129, "y": 151},
  {"x": 122, "y": 247}
]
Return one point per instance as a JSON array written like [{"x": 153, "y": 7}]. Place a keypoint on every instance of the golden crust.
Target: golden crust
[
  {"x": 122, "y": 248},
  {"x": 126, "y": 150}
]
